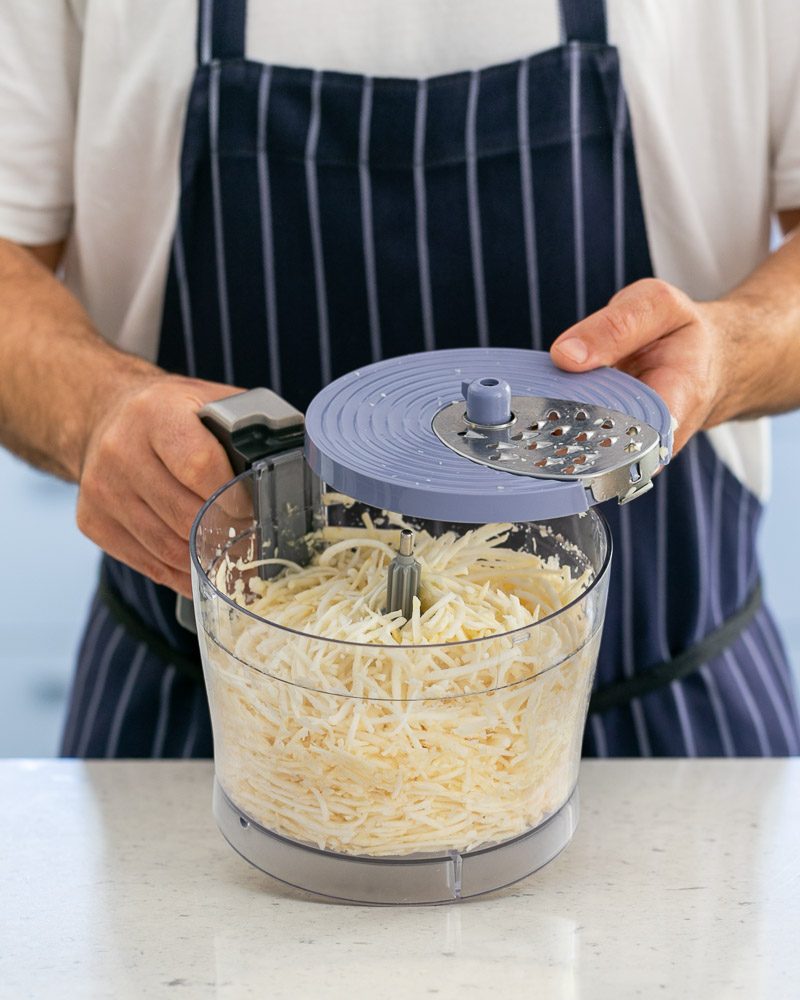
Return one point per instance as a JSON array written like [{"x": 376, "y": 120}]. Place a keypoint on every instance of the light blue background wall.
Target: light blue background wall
[{"x": 49, "y": 568}]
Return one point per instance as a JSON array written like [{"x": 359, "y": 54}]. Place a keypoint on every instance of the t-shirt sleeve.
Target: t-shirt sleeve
[
  {"x": 783, "y": 64},
  {"x": 40, "y": 45}
]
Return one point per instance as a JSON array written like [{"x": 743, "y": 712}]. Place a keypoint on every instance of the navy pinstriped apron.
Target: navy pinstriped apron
[{"x": 327, "y": 220}]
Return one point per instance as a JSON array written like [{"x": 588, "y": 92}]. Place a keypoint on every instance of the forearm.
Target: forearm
[
  {"x": 57, "y": 371},
  {"x": 760, "y": 320}
]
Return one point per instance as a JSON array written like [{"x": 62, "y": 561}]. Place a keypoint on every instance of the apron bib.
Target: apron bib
[{"x": 328, "y": 220}]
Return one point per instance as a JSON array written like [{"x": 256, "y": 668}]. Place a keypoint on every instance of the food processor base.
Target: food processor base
[{"x": 440, "y": 878}]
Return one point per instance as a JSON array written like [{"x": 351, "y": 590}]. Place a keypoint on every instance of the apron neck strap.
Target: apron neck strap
[
  {"x": 220, "y": 30},
  {"x": 583, "y": 20},
  {"x": 221, "y": 26}
]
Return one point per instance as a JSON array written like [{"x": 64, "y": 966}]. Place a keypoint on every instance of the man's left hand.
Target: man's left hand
[{"x": 684, "y": 350}]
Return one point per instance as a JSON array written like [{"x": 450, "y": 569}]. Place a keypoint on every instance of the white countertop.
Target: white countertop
[{"x": 683, "y": 880}]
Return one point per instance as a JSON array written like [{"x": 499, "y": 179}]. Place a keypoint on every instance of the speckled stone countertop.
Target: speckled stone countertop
[{"x": 683, "y": 880}]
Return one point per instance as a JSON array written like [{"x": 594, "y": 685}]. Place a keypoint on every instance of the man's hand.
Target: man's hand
[
  {"x": 148, "y": 465},
  {"x": 123, "y": 429},
  {"x": 678, "y": 347},
  {"x": 735, "y": 357}
]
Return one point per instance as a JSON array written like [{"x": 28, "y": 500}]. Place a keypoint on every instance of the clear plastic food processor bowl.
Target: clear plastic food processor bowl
[{"x": 421, "y": 773}]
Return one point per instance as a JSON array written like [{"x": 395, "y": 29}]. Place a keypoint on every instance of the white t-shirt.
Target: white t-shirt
[{"x": 93, "y": 96}]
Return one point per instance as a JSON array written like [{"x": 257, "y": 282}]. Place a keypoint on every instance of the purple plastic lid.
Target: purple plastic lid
[{"x": 369, "y": 434}]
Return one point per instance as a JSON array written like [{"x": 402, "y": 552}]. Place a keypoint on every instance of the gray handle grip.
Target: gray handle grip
[{"x": 250, "y": 426}]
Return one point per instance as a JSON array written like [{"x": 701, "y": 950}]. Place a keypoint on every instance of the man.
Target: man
[{"x": 360, "y": 180}]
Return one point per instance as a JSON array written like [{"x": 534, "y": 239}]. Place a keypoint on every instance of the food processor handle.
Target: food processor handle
[{"x": 250, "y": 426}]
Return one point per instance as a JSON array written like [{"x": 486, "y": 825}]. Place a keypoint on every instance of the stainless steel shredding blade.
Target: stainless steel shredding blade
[{"x": 611, "y": 453}]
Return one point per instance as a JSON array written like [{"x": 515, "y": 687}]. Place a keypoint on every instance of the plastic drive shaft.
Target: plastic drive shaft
[{"x": 403, "y": 577}]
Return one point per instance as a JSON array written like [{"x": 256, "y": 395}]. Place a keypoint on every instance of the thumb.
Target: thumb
[
  {"x": 635, "y": 317},
  {"x": 202, "y": 392}
]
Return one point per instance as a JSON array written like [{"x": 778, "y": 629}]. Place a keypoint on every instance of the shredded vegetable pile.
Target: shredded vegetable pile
[{"x": 363, "y": 733}]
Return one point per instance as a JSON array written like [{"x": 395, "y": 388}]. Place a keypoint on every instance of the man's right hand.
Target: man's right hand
[
  {"x": 126, "y": 431},
  {"x": 148, "y": 465}
]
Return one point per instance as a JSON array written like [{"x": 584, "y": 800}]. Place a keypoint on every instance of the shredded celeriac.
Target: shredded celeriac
[{"x": 362, "y": 733}]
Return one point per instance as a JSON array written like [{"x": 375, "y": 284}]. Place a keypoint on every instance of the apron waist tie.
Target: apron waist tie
[
  {"x": 603, "y": 698},
  {"x": 661, "y": 674}
]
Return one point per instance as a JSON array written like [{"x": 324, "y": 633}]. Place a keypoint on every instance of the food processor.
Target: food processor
[{"x": 400, "y": 770}]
